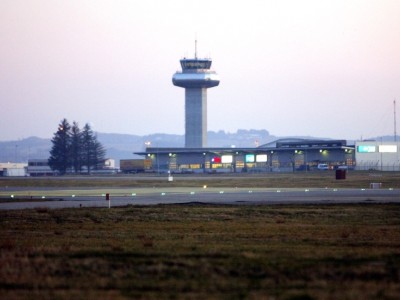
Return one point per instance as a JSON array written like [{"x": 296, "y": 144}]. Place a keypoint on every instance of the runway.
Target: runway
[{"x": 69, "y": 198}]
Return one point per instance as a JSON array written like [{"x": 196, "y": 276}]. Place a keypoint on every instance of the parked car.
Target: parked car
[{"x": 323, "y": 167}]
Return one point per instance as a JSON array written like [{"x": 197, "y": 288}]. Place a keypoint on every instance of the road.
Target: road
[{"x": 151, "y": 196}]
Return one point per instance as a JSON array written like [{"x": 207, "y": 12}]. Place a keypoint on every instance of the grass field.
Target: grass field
[
  {"x": 202, "y": 252},
  {"x": 354, "y": 179}
]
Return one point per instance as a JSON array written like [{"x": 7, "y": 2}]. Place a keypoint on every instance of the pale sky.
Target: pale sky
[{"x": 316, "y": 68}]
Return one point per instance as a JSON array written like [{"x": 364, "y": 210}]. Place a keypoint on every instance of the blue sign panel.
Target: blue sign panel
[{"x": 366, "y": 149}]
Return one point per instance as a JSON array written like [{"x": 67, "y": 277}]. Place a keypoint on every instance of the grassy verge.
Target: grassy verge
[
  {"x": 354, "y": 179},
  {"x": 202, "y": 251}
]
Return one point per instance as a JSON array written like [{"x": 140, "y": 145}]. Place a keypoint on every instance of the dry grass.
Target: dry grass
[
  {"x": 354, "y": 179},
  {"x": 202, "y": 251}
]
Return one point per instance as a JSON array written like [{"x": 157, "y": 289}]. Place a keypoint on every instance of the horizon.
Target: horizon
[
  {"x": 313, "y": 68},
  {"x": 386, "y": 136}
]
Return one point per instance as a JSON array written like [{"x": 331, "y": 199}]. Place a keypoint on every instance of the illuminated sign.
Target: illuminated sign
[
  {"x": 388, "y": 148},
  {"x": 249, "y": 158},
  {"x": 261, "y": 158},
  {"x": 227, "y": 159},
  {"x": 366, "y": 149},
  {"x": 216, "y": 160}
]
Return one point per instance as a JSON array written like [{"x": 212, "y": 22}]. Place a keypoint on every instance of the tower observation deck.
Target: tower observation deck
[{"x": 196, "y": 77}]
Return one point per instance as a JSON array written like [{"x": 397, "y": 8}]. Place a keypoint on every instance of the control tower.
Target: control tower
[{"x": 196, "y": 77}]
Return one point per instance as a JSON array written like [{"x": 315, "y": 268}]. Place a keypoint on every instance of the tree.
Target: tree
[
  {"x": 76, "y": 147},
  {"x": 92, "y": 151},
  {"x": 59, "y": 159},
  {"x": 98, "y": 154}
]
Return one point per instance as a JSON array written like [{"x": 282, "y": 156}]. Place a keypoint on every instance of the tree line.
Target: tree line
[{"x": 75, "y": 150}]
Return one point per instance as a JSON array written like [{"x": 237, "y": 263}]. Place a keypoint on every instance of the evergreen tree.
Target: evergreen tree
[
  {"x": 60, "y": 152},
  {"x": 98, "y": 154},
  {"x": 92, "y": 151},
  {"x": 76, "y": 147}
]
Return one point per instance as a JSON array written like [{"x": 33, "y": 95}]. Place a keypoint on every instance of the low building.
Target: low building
[
  {"x": 13, "y": 169},
  {"x": 39, "y": 167},
  {"x": 375, "y": 155},
  {"x": 282, "y": 155}
]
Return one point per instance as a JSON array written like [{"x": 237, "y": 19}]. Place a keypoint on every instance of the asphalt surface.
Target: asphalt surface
[{"x": 123, "y": 197}]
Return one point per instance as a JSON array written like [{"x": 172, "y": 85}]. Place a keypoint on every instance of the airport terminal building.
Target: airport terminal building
[{"x": 285, "y": 155}]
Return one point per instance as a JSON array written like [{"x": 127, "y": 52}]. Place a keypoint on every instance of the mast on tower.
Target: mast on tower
[
  {"x": 394, "y": 112},
  {"x": 195, "y": 48}
]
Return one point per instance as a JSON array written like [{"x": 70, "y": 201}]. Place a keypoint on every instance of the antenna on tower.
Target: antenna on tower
[
  {"x": 394, "y": 112},
  {"x": 195, "y": 48}
]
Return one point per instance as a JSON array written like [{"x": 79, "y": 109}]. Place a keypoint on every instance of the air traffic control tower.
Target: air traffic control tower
[{"x": 196, "y": 77}]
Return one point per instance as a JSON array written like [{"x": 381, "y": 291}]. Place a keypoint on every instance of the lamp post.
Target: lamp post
[
  {"x": 270, "y": 160},
  {"x": 204, "y": 162},
  {"x": 305, "y": 160}
]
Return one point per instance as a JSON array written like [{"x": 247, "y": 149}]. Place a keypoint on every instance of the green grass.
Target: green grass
[{"x": 202, "y": 251}]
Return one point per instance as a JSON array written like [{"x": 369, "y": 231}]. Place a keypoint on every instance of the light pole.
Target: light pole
[
  {"x": 305, "y": 159},
  {"x": 148, "y": 144},
  {"x": 204, "y": 162}
]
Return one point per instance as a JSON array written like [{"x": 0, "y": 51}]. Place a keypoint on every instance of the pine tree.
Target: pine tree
[
  {"x": 99, "y": 154},
  {"x": 76, "y": 148},
  {"x": 92, "y": 151},
  {"x": 60, "y": 152}
]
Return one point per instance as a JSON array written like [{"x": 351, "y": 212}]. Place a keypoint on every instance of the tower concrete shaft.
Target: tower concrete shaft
[
  {"x": 195, "y": 117},
  {"x": 195, "y": 77}
]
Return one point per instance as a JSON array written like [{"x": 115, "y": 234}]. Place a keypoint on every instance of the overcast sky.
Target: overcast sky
[{"x": 316, "y": 68}]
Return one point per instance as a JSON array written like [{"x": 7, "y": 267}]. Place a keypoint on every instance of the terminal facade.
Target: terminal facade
[{"x": 285, "y": 155}]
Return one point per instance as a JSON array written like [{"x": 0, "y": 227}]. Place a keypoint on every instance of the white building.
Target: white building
[
  {"x": 13, "y": 169},
  {"x": 375, "y": 155}
]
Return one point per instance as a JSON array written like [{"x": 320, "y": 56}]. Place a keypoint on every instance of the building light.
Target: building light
[
  {"x": 249, "y": 158},
  {"x": 261, "y": 158},
  {"x": 227, "y": 159},
  {"x": 387, "y": 148},
  {"x": 366, "y": 149},
  {"x": 216, "y": 160}
]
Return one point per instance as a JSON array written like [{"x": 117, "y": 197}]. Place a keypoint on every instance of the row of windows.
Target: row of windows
[
  {"x": 195, "y": 64},
  {"x": 38, "y": 164}
]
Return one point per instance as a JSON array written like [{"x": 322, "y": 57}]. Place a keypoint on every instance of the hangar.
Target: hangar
[{"x": 284, "y": 155}]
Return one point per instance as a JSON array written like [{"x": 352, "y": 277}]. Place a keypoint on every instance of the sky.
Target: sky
[{"x": 295, "y": 68}]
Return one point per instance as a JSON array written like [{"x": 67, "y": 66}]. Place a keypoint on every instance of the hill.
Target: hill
[{"x": 122, "y": 146}]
